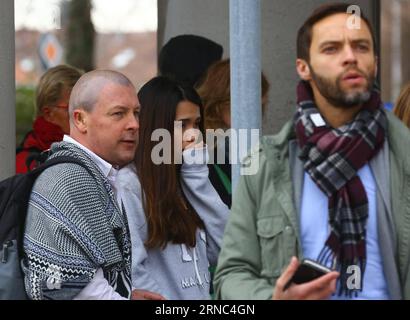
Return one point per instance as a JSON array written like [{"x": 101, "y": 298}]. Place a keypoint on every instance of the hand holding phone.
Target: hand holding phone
[
  {"x": 321, "y": 287},
  {"x": 307, "y": 271}
]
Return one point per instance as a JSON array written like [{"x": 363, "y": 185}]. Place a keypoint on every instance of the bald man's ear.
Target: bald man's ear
[
  {"x": 80, "y": 120},
  {"x": 303, "y": 69}
]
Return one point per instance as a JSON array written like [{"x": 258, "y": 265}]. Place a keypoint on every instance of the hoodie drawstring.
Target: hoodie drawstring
[{"x": 196, "y": 269}]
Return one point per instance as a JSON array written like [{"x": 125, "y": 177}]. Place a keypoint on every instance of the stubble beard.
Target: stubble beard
[{"x": 333, "y": 92}]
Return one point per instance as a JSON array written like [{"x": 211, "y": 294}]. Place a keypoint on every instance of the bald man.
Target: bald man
[{"x": 76, "y": 240}]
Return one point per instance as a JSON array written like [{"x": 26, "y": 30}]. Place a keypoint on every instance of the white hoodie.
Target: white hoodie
[{"x": 177, "y": 272}]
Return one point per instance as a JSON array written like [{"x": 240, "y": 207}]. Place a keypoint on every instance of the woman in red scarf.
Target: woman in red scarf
[{"x": 51, "y": 123}]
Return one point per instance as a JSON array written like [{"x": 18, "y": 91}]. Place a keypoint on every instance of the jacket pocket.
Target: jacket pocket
[{"x": 270, "y": 231}]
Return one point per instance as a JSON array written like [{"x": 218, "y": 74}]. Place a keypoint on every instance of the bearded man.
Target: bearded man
[{"x": 333, "y": 185}]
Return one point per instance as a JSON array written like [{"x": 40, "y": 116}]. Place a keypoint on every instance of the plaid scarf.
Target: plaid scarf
[{"x": 332, "y": 158}]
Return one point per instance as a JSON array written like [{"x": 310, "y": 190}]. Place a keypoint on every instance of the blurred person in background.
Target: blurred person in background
[
  {"x": 185, "y": 58},
  {"x": 52, "y": 120},
  {"x": 402, "y": 108},
  {"x": 215, "y": 92}
]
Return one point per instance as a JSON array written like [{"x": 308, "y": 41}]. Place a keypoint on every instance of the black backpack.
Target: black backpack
[{"x": 14, "y": 197}]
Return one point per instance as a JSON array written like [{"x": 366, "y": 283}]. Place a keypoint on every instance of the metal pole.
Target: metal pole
[
  {"x": 245, "y": 48},
  {"x": 7, "y": 90}
]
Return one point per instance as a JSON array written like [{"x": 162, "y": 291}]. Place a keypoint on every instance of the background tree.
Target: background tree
[{"x": 80, "y": 35}]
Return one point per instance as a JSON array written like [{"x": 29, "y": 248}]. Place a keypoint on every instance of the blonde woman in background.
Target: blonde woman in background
[
  {"x": 52, "y": 120},
  {"x": 402, "y": 108}
]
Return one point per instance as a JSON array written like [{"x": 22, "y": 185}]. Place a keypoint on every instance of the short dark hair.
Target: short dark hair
[
  {"x": 304, "y": 39},
  {"x": 185, "y": 58}
]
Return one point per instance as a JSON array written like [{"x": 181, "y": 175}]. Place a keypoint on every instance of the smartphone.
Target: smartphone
[{"x": 308, "y": 270}]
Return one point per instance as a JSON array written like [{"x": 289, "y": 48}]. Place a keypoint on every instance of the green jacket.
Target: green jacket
[{"x": 263, "y": 234}]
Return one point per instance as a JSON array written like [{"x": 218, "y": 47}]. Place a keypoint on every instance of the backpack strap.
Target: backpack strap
[
  {"x": 36, "y": 155},
  {"x": 57, "y": 160},
  {"x": 21, "y": 145},
  {"x": 224, "y": 179}
]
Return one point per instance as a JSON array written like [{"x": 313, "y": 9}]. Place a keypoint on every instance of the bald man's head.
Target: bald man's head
[
  {"x": 104, "y": 113},
  {"x": 88, "y": 88}
]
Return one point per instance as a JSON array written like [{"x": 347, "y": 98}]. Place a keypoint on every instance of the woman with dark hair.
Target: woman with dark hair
[{"x": 176, "y": 217}]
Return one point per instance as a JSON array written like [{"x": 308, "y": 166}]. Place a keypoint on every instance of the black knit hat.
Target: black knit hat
[{"x": 186, "y": 58}]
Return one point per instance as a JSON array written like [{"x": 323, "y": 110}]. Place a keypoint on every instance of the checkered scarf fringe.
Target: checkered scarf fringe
[{"x": 332, "y": 158}]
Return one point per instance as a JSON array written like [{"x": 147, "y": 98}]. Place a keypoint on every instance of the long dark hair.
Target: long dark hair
[{"x": 170, "y": 217}]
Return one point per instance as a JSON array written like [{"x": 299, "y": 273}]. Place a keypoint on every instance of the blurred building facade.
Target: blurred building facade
[
  {"x": 133, "y": 54},
  {"x": 395, "y": 49}
]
